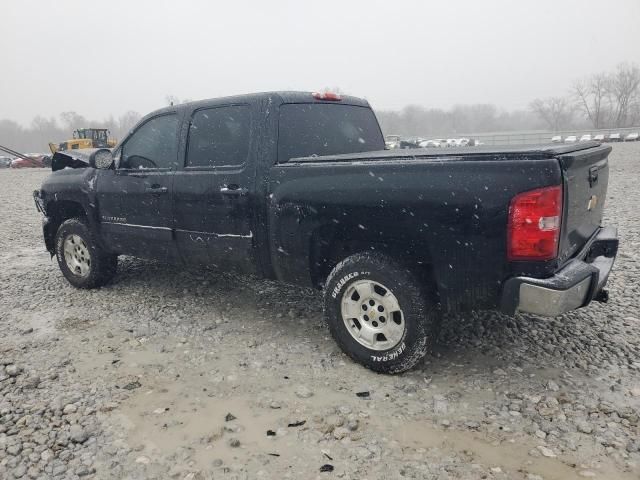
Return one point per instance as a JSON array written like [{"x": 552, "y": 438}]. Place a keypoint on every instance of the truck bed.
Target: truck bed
[
  {"x": 445, "y": 208},
  {"x": 488, "y": 152}
]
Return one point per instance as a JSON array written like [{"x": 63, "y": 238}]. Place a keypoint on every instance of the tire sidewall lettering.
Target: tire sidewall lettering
[
  {"x": 63, "y": 233},
  {"x": 344, "y": 281},
  {"x": 60, "y": 249},
  {"x": 377, "y": 267},
  {"x": 390, "y": 356},
  {"x": 339, "y": 287},
  {"x": 59, "y": 242}
]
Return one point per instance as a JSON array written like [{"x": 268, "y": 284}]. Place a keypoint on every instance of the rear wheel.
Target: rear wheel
[
  {"x": 81, "y": 259},
  {"x": 378, "y": 313}
]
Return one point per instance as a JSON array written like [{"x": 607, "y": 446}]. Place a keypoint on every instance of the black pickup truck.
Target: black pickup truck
[{"x": 298, "y": 187}]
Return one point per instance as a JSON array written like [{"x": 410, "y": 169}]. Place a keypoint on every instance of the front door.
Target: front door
[
  {"x": 135, "y": 199},
  {"x": 213, "y": 190}
]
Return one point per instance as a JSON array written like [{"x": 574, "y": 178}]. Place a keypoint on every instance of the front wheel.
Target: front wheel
[
  {"x": 81, "y": 259},
  {"x": 378, "y": 313}
]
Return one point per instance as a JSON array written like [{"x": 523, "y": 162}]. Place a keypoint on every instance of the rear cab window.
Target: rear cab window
[{"x": 309, "y": 129}]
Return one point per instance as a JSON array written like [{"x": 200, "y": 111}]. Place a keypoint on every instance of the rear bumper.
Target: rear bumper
[{"x": 575, "y": 286}]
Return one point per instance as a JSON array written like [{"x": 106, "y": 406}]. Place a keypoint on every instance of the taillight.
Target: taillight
[
  {"x": 533, "y": 232},
  {"x": 328, "y": 96}
]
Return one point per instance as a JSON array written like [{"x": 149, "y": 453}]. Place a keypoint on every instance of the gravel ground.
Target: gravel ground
[{"x": 200, "y": 374}]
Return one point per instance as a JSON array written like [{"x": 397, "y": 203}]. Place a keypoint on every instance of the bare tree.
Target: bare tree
[
  {"x": 173, "y": 100},
  {"x": 337, "y": 90},
  {"x": 634, "y": 112},
  {"x": 592, "y": 96},
  {"x": 624, "y": 87},
  {"x": 605, "y": 99},
  {"x": 45, "y": 130},
  {"x": 415, "y": 120},
  {"x": 41, "y": 131},
  {"x": 557, "y": 112},
  {"x": 72, "y": 120},
  {"x": 126, "y": 122}
]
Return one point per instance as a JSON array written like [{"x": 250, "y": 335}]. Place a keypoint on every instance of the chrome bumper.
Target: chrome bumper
[{"x": 576, "y": 285}]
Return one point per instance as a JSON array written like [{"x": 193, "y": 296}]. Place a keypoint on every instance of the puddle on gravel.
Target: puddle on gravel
[
  {"x": 43, "y": 322},
  {"x": 194, "y": 423},
  {"x": 166, "y": 418},
  {"x": 511, "y": 457},
  {"x": 165, "y": 422}
]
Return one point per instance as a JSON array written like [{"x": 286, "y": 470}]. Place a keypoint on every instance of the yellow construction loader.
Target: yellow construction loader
[{"x": 85, "y": 138}]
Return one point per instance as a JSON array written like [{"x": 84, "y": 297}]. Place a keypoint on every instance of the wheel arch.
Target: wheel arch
[
  {"x": 57, "y": 212},
  {"x": 330, "y": 244}
]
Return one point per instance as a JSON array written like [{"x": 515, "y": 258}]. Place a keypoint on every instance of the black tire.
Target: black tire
[
  {"x": 419, "y": 312},
  {"x": 102, "y": 265}
]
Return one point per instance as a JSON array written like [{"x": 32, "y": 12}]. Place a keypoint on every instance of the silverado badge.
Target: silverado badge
[{"x": 106, "y": 218}]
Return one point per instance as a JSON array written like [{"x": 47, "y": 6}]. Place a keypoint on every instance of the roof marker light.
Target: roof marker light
[{"x": 327, "y": 96}]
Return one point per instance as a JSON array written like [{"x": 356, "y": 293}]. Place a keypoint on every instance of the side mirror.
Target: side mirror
[{"x": 101, "y": 159}]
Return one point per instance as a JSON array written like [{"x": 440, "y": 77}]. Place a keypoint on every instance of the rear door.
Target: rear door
[
  {"x": 586, "y": 175},
  {"x": 213, "y": 190},
  {"x": 135, "y": 199}
]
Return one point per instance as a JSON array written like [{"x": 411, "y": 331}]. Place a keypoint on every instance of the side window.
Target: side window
[
  {"x": 153, "y": 145},
  {"x": 219, "y": 137}
]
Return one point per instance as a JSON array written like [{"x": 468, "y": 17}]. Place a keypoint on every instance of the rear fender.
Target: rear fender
[{"x": 330, "y": 245}]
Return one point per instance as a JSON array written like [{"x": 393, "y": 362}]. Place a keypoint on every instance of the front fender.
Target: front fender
[{"x": 67, "y": 194}]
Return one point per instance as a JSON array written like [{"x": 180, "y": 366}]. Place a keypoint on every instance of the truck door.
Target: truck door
[
  {"x": 135, "y": 199},
  {"x": 213, "y": 190}
]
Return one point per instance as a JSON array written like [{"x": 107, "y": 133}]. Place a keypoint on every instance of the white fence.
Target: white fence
[{"x": 523, "y": 138}]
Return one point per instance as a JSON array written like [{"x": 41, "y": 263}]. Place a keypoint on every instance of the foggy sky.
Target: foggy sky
[{"x": 107, "y": 57}]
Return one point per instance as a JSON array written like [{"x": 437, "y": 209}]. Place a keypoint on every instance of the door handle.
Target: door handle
[
  {"x": 233, "y": 191},
  {"x": 157, "y": 189}
]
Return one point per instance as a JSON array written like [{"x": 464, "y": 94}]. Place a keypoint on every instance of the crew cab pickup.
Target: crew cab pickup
[{"x": 298, "y": 187}]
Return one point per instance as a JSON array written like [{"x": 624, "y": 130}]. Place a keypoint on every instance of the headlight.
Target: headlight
[{"x": 39, "y": 201}]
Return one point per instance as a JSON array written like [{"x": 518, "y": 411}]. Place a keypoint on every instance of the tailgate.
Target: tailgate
[{"x": 586, "y": 175}]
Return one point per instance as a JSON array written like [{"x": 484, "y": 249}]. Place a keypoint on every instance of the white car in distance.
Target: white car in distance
[
  {"x": 429, "y": 144},
  {"x": 632, "y": 137}
]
